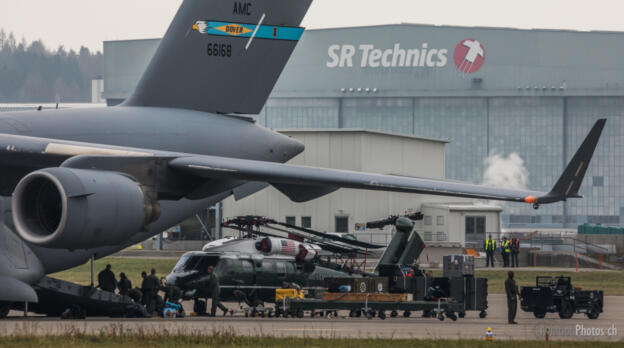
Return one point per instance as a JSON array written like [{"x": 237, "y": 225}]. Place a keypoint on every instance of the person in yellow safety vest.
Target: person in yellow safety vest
[
  {"x": 505, "y": 251},
  {"x": 489, "y": 246}
]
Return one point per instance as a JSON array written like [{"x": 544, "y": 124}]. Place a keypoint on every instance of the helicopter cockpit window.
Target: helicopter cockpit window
[
  {"x": 195, "y": 263},
  {"x": 179, "y": 267}
]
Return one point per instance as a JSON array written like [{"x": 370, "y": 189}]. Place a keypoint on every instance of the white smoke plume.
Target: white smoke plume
[{"x": 505, "y": 172}]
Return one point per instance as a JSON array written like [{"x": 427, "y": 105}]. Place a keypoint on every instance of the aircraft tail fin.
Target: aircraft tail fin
[{"x": 222, "y": 56}]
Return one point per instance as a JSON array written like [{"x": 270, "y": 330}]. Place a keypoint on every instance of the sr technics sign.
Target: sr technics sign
[{"x": 469, "y": 56}]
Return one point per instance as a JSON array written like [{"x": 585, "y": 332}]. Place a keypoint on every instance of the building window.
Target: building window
[
  {"x": 428, "y": 236},
  {"x": 428, "y": 220},
  {"x": 598, "y": 181},
  {"x": 306, "y": 221},
  {"x": 291, "y": 220},
  {"x": 475, "y": 224},
  {"x": 342, "y": 224},
  {"x": 440, "y": 220},
  {"x": 441, "y": 236}
]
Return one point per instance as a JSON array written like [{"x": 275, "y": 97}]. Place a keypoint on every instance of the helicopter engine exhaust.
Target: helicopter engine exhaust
[{"x": 287, "y": 247}]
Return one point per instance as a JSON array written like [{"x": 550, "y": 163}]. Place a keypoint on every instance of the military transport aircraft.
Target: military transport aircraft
[{"x": 82, "y": 183}]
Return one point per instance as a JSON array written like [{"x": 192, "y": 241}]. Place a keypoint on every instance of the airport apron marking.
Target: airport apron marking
[{"x": 269, "y": 32}]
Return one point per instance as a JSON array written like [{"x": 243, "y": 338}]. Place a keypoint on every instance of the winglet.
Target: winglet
[{"x": 570, "y": 181}]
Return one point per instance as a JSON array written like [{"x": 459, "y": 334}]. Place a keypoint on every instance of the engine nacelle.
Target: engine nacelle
[
  {"x": 287, "y": 247},
  {"x": 80, "y": 209}
]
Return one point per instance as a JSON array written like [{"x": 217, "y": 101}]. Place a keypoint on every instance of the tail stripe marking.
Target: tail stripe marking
[
  {"x": 569, "y": 188},
  {"x": 579, "y": 169},
  {"x": 244, "y": 30}
]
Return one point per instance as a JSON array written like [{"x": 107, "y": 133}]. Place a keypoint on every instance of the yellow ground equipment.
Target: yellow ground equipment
[{"x": 281, "y": 294}]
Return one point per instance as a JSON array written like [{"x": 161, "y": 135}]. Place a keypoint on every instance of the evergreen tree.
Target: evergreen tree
[{"x": 30, "y": 73}]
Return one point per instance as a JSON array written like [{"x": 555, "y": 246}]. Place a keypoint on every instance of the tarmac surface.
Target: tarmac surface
[{"x": 609, "y": 327}]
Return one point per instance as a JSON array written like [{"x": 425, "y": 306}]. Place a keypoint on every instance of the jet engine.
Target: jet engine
[
  {"x": 79, "y": 209},
  {"x": 280, "y": 246}
]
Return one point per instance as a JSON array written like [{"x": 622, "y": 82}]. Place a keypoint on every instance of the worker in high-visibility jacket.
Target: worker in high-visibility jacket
[
  {"x": 489, "y": 246},
  {"x": 505, "y": 251}
]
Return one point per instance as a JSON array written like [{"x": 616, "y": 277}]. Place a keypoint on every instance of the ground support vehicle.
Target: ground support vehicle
[{"x": 557, "y": 295}]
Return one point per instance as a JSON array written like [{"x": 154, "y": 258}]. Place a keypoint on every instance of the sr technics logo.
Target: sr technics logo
[{"x": 469, "y": 56}]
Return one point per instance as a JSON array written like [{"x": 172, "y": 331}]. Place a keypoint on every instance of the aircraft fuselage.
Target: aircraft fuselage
[{"x": 162, "y": 129}]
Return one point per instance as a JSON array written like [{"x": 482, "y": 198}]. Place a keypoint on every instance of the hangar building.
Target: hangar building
[{"x": 487, "y": 90}]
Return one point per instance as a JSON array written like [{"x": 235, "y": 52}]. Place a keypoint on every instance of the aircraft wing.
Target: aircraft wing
[
  {"x": 177, "y": 175},
  {"x": 293, "y": 178}
]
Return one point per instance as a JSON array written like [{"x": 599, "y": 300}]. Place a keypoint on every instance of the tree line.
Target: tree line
[{"x": 32, "y": 73}]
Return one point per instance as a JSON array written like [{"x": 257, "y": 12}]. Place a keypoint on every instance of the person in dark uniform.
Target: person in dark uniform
[
  {"x": 515, "y": 250},
  {"x": 124, "y": 284},
  {"x": 106, "y": 279},
  {"x": 428, "y": 284},
  {"x": 150, "y": 288},
  {"x": 213, "y": 286},
  {"x": 511, "y": 289},
  {"x": 142, "y": 289},
  {"x": 172, "y": 292},
  {"x": 489, "y": 246}
]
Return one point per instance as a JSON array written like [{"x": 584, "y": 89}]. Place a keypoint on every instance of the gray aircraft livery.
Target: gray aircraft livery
[{"x": 77, "y": 183}]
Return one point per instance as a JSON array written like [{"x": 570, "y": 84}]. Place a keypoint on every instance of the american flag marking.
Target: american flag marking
[{"x": 288, "y": 246}]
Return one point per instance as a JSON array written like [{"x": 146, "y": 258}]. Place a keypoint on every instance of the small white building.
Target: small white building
[
  {"x": 453, "y": 224},
  {"x": 348, "y": 210}
]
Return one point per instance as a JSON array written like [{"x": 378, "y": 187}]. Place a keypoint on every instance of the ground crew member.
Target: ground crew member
[
  {"x": 215, "y": 290},
  {"x": 106, "y": 279},
  {"x": 150, "y": 288},
  {"x": 143, "y": 276},
  {"x": 515, "y": 250},
  {"x": 428, "y": 284},
  {"x": 124, "y": 284},
  {"x": 172, "y": 293},
  {"x": 489, "y": 246},
  {"x": 505, "y": 251},
  {"x": 511, "y": 289}
]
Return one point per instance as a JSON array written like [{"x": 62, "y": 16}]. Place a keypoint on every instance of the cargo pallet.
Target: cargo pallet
[{"x": 297, "y": 308}]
